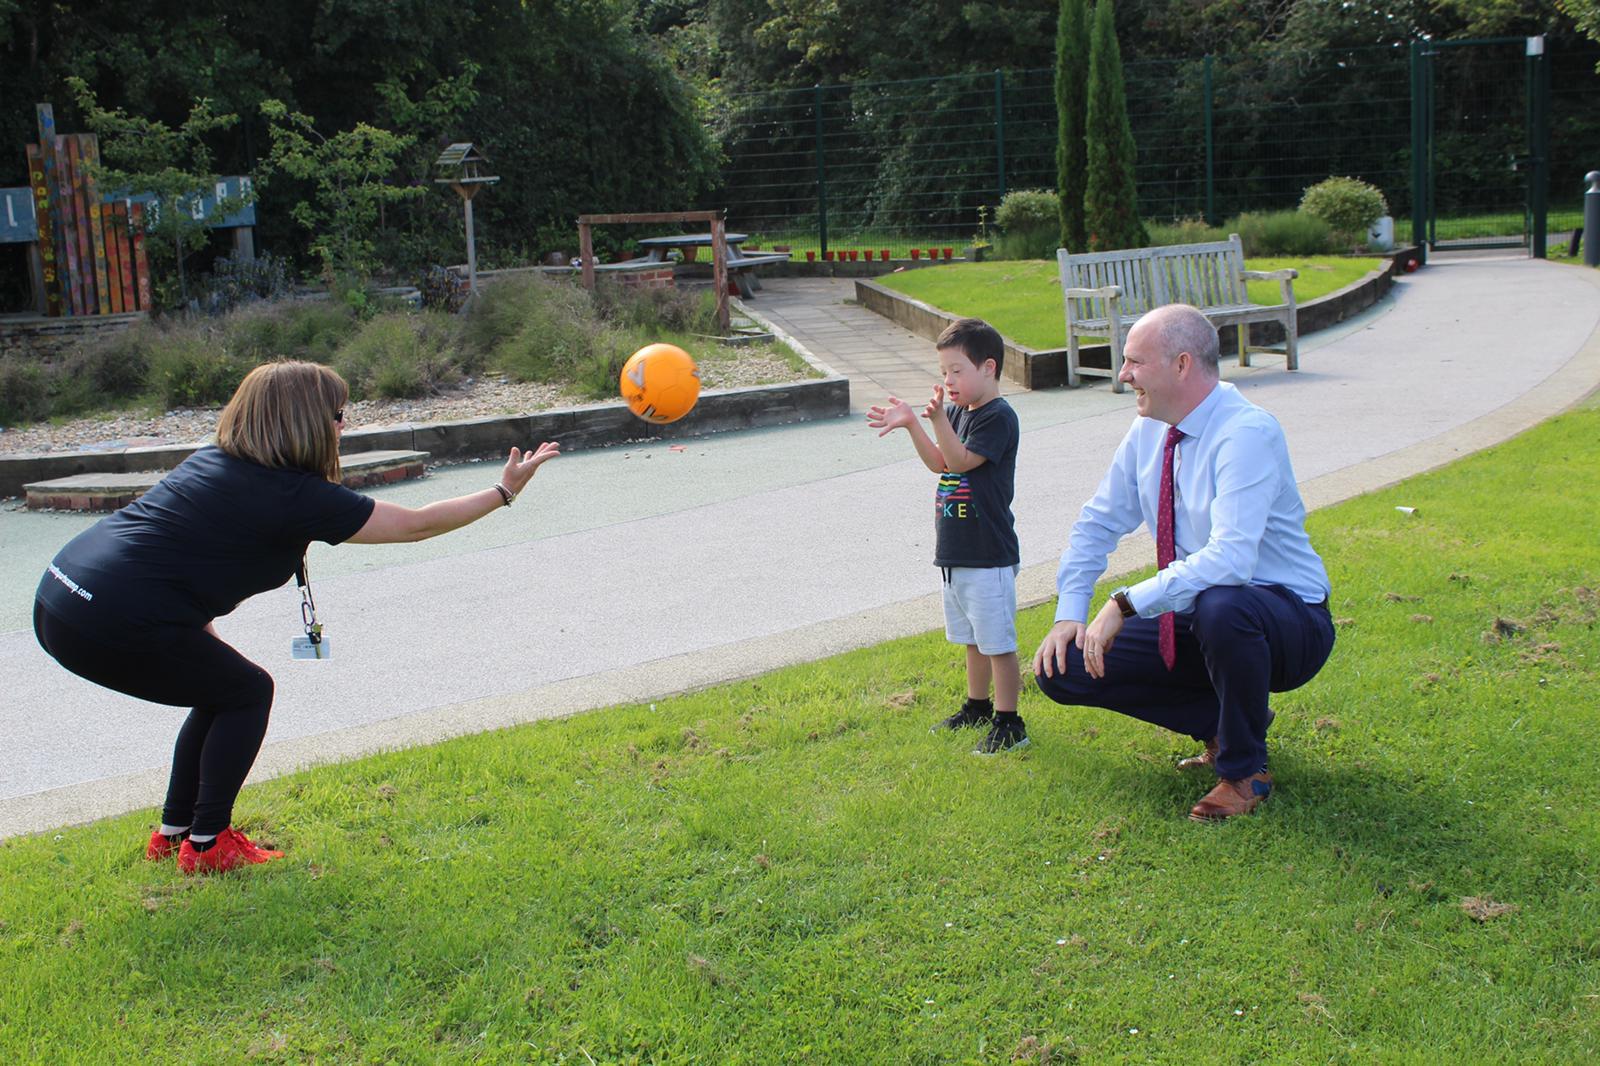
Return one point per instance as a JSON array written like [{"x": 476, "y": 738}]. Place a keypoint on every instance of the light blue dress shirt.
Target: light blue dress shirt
[{"x": 1238, "y": 515}]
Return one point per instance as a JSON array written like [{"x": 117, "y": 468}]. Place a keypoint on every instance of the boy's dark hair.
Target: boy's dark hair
[{"x": 977, "y": 340}]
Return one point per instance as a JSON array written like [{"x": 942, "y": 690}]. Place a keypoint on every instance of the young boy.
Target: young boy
[{"x": 974, "y": 451}]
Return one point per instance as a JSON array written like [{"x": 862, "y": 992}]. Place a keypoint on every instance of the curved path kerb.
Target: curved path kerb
[{"x": 626, "y": 574}]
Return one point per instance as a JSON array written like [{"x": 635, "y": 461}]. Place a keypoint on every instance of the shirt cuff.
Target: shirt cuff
[
  {"x": 1147, "y": 598},
  {"x": 1072, "y": 607}
]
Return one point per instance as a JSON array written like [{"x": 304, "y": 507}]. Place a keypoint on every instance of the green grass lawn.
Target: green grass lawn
[
  {"x": 1022, "y": 298},
  {"x": 793, "y": 869}
]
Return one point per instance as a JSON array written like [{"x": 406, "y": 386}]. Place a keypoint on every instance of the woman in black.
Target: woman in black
[{"x": 129, "y": 602}]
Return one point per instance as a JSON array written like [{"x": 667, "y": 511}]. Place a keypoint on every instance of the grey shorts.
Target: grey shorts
[{"x": 980, "y": 607}]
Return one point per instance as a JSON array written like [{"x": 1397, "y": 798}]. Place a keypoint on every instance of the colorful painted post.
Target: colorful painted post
[
  {"x": 71, "y": 275},
  {"x": 88, "y": 159},
  {"x": 119, "y": 214},
  {"x": 80, "y": 214},
  {"x": 47, "y": 244},
  {"x": 141, "y": 265},
  {"x": 50, "y": 222},
  {"x": 108, "y": 228}
]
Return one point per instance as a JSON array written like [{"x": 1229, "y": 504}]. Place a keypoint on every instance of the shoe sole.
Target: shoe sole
[{"x": 1024, "y": 742}]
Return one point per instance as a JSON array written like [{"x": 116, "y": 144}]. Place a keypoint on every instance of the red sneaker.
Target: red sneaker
[
  {"x": 161, "y": 847},
  {"x": 232, "y": 849}
]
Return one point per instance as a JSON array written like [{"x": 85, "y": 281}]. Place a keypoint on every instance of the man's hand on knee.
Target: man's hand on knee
[
  {"x": 1051, "y": 658},
  {"x": 1095, "y": 641}
]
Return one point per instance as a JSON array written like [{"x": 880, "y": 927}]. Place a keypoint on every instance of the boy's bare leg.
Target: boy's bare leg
[
  {"x": 979, "y": 674},
  {"x": 1007, "y": 678}
]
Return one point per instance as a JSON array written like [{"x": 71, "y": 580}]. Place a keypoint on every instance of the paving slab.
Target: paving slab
[{"x": 631, "y": 574}]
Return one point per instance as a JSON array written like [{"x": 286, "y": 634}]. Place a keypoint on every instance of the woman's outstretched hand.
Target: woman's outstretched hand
[{"x": 520, "y": 466}]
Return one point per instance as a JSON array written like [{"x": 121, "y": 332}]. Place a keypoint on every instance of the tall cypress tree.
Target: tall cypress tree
[
  {"x": 1110, "y": 197},
  {"x": 1072, "y": 90}
]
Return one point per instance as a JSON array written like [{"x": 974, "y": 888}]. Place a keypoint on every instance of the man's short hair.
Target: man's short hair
[
  {"x": 1181, "y": 328},
  {"x": 977, "y": 340}
]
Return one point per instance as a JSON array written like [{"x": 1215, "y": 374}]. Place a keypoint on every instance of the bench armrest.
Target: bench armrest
[
  {"x": 1286, "y": 274},
  {"x": 1103, "y": 293}
]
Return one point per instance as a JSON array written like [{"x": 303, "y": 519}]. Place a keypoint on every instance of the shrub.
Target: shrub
[
  {"x": 24, "y": 393},
  {"x": 242, "y": 281},
  {"x": 1030, "y": 224},
  {"x": 1347, "y": 205},
  {"x": 119, "y": 366},
  {"x": 533, "y": 328},
  {"x": 1184, "y": 231},
  {"x": 1282, "y": 233},
  {"x": 397, "y": 356},
  {"x": 189, "y": 370},
  {"x": 288, "y": 329},
  {"x": 635, "y": 308},
  {"x": 443, "y": 289}
]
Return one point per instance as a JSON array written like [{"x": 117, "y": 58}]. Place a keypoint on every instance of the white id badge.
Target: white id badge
[{"x": 303, "y": 648}]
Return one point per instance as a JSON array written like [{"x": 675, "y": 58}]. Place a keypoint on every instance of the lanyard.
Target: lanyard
[{"x": 308, "y": 605}]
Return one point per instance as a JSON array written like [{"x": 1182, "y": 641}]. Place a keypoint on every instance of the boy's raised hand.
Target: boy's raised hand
[
  {"x": 894, "y": 413},
  {"x": 935, "y": 409}
]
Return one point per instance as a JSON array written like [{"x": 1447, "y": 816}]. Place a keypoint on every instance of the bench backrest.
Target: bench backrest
[{"x": 1205, "y": 275}]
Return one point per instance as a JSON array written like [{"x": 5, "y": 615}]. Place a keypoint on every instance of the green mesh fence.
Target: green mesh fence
[{"x": 917, "y": 167}]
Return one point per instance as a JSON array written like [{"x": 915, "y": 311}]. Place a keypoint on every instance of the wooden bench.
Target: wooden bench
[
  {"x": 1107, "y": 292},
  {"x": 742, "y": 268}
]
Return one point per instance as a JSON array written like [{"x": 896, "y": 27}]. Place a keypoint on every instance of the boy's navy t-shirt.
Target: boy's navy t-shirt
[
  {"x": 212, "y": 533},
  {"x": 972, "y": 511}
]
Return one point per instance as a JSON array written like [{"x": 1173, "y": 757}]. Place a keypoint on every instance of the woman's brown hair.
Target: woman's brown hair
[{"x": 283, "y": 415}]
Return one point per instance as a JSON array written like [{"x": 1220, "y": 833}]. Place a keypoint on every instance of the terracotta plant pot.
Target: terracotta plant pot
[
  {"x": 689, "y": 253},
  {"x": 883, "y": 254},
  {"x": 853, "y": 254},
  {"x": 949, "y": 253},
  {"x": 916, "y": 253},
  {"x": 827, "y": 257},
  {"x": 933, "y": 253},
  {"x": 811, "y": 257},
  {"x": 780, "y": 247}
]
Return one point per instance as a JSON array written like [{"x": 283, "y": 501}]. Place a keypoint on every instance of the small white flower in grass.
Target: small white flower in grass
[
  {"x": 1238, "y": 1014},
  {"x": 929, "y": 1002},
  {"x": 1184, "y": 941},
  {"x": 1061, "y": 943},
  {"x": 949, "y": 925},
  {"x": 1133, "y": 1032}
]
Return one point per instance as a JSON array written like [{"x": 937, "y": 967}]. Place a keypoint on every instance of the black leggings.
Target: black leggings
[{"x": 181, "y": 667}]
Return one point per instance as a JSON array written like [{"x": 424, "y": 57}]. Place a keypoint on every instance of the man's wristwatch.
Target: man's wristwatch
[{"x": 1124, "y": 604}]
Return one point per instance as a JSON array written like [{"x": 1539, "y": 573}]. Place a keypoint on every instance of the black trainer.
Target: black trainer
[
  {"x": 972, "y": 713},
  {"x": 1007, "y": 733}
]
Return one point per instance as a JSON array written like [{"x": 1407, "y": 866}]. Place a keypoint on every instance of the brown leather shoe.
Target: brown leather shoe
[
  {"x": 1229, "y": 798},
  {"x": 1206, "y": 758}
]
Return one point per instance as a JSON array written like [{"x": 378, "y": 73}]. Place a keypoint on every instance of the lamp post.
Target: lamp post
[{"x": 464, "y": 169}]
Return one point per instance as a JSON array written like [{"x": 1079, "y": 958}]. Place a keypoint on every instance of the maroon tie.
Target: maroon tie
[{"x": 1166, "y": 549}]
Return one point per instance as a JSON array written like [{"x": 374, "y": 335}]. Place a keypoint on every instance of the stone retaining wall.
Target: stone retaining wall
[{"x": 38, "y": 337}]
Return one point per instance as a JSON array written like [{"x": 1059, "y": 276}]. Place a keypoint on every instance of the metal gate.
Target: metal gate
[{"x": 1480, "y": 134}]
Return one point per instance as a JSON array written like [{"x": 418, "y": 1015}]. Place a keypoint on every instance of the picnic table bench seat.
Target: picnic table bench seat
[{"x": 1105, "y": 293}]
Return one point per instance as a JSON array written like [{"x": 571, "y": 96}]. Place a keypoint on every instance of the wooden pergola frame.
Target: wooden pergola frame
[{"x": 719, "y": 246}]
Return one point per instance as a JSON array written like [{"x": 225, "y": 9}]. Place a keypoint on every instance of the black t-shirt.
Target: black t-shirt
[
  {"x": 972, "y": 511},
  {"x": 209, "y": 535}
]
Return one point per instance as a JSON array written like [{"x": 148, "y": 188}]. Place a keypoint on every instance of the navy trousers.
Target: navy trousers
[{"x": 1237, "y": 645}]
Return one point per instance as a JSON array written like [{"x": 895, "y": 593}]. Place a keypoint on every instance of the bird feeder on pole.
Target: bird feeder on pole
[{"x": 465, "y": 169}]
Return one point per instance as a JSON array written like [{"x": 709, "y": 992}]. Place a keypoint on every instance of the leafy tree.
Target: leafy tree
[
  {"x": 1072, "y": 90},
  {"x": 171, "y": 163},
  {"x": 349, "y": 173},
  {"x": 1110, "y": 199}
]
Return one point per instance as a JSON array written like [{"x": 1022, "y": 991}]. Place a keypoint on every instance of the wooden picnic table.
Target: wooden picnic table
[{"x": 741, "y": 264}]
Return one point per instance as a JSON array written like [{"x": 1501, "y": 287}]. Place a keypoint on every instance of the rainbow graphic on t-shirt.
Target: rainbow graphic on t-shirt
[{"x": 954, "y": 496}]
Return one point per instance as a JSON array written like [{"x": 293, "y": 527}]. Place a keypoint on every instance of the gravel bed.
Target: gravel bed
[{"x": 480, "y": 398}]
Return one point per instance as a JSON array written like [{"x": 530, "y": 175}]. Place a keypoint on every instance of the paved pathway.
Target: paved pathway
[{"x": 632, "y": 573}]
